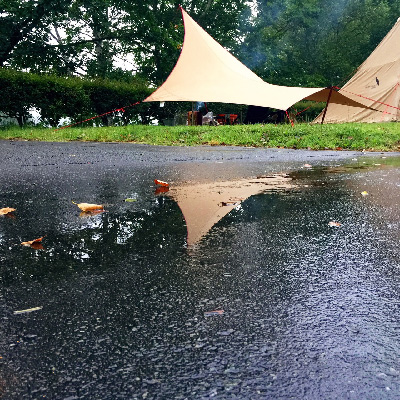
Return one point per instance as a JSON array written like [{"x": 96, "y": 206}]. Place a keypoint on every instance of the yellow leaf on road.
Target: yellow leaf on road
[
  {"x": 6, "y": 210},
  {"x": 85, "y": 207},
  {"x": 28, "y": 310},
  {"x": 32, "y": 242}
]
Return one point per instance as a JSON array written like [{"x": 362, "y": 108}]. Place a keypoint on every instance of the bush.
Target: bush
[
  {"x": 78, "y": 99},
  {"x": 59, "y": 98},
  {"x": 306, "y": 111},
  {"x": 81, "y": 99},
  {"x": 106, "y": 96},
  {"x": 17, "y": 94}
]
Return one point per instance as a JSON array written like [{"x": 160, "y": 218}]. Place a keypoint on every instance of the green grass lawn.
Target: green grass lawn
[{"x": 351, "y": 136}]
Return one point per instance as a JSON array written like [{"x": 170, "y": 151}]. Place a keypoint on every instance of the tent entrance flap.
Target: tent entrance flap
[{"x": 222, "y": 78}]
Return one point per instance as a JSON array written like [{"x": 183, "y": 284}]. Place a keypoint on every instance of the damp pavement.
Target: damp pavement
[{"x": 274, "y": 302}]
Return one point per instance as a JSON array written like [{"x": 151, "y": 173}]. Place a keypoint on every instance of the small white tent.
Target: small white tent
[
  {"x": 205, "y": 71},
  {"x": 376, "y": 85}
]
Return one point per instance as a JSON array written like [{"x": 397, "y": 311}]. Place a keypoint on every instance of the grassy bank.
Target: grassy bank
[{"x": 354, "y": 136}]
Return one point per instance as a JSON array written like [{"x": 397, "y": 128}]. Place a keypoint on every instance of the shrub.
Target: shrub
[{"x": 57, "y": 97}]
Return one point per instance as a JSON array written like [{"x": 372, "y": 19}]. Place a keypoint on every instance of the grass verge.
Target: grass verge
[{"x": 352, "y": 136}]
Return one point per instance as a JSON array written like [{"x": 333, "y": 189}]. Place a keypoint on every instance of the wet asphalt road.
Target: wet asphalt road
[
  {"x": 63, "y": 159},
  {"x": 310, "y": 311}
]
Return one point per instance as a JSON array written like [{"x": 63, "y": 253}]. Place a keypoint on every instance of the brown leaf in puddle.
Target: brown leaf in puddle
[
  {"x": 6, "y": 210},
  {"x": 36, "y": 243},
  {"x": 161, "y": 183},
  {"x": 334, "y": 223},
  {"x": 87, "y": 214},
  {"x": 85, "y": 207},
  {"x": 161, "y": 189},
  {"x": 37, "y": 246}
]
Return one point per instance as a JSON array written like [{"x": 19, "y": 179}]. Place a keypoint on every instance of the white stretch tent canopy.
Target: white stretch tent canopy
[
  {"x": 376, "y": 85},
  {"x": 205, "y": 71}
]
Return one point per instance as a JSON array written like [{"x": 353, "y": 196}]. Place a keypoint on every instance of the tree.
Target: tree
[
  {"x": 359, "y": 30},
  {"x": 315, "y": 42},
  {"x": 24, "y": 22},
  {"x": 158, "y": 30},
  {"x": 88, "y": 36}
]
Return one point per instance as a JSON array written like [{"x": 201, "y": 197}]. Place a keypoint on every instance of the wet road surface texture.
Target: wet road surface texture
[{"x": 271, "y": 303}]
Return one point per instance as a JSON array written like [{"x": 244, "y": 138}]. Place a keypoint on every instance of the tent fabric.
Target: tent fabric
[
  {"x": 376, "y": 84},
  {"x": 204, "y": 204},
  {"x": 206, "y": 72}
]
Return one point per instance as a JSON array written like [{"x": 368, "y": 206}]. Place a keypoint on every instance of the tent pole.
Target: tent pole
[{"x": 327, "y": 104}]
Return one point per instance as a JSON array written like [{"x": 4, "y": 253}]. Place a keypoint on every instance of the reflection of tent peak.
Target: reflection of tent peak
[{"x": 203, "y": 205}]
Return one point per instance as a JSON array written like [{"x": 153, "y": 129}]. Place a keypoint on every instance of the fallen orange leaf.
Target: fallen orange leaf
[
  {"x": 32, "y": 242},
  {"x": 161, "y": 189},
  {"x": 334, "y": 223},
  {"x": 37, "y": 246},
  {"x": 85, "y": 207},
  {"x": 87, "y": 214},
  {"x": 6, "y": 210},
  {"x": 161, "y": 183}
]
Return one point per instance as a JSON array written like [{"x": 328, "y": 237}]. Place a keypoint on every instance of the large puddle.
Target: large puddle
[{"x": 271, "y": 287}]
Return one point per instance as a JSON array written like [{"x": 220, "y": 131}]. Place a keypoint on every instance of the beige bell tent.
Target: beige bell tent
[
  {"x": 376, "y": 84},
  {"x": 206, "y": 72}
]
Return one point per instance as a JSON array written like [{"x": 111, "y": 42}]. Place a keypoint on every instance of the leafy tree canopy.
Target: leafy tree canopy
[
  {"x": 90, "y": 37},
  {"x": 290, "y": 42},
  {"x": 315, "y": 42}
]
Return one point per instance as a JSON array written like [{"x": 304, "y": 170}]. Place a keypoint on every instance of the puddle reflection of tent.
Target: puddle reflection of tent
[{"x": 203, "y": 205}]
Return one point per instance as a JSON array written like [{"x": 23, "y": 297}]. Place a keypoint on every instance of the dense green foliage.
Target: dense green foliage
[
  {"x": 315, "y": 42},
  {"x": 90, "y": 36},
  {"x": 79, "y": 99},
  {"x": 57, "y": 97},
  {"x": 353, "y": 136},
  {"x": 307, "y": 42}
]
